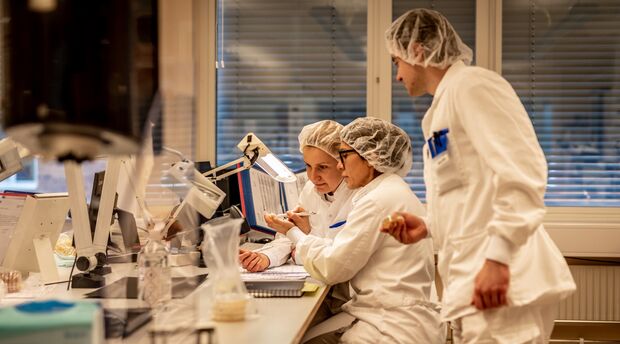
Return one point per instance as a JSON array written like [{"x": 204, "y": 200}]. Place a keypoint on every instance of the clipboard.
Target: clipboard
[{"x": 260, "y": 194}]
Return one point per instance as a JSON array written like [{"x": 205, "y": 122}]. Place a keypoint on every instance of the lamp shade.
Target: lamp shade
[{"x": 79, "y": 76}]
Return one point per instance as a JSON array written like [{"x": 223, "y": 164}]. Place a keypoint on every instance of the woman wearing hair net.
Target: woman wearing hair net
[
  {"x": 390, "y": 282},
  {"x": 485, "y": 176},
  {"x": 324, "y": 196}
]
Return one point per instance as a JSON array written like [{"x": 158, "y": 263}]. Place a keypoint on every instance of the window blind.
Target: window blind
[
  {"x": 562, "y": 59},
  {"x": 284, "y": 64},
  {"x": 407, "y": 112}
]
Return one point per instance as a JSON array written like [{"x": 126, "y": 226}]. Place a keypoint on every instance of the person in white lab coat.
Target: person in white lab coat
[
  {"x": 485, "y": 176},
  {"x": 390, "y": 282},
  {"x": 325, "y": 196}
]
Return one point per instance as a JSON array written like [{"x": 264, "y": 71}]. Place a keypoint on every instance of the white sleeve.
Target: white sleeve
[
  {"x": 502, "y": 134},
  {"x": 278, "y": 251},
  {"x": 337, "y": 260}
]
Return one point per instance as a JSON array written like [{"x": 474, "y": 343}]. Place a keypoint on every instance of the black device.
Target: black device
[
  {"x": 95, "y": 199},
  {"x": 127, "y": 288},
  {"x": 122, "y": 322},
  {"x": 81, "y": 77},
  {"x": 129, "y": 230},
  {"x": 236, "y": 213}
]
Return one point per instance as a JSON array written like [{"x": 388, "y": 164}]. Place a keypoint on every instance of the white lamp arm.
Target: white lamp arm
[
  {"x": 212, "y": 174},
  {"x": 86, "y": 260},
  {"x": 91, "y": 248}
]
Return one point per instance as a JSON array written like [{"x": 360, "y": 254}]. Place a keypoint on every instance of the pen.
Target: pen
[
  {"x": 303, "y": 214},
  {"x": 338, "y": 224}
]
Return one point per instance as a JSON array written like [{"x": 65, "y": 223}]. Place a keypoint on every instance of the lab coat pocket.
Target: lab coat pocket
[
  {"x": 466, "y": 259},
  {"x": 446, "y": 170}
]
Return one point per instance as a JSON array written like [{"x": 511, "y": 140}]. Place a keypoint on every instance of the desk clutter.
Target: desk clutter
[{"x": 282, "y": 281}]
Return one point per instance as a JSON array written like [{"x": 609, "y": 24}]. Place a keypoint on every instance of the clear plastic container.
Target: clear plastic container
[
  {"x": 223, "y": 297},
  {"x": 154, "y": 276}
]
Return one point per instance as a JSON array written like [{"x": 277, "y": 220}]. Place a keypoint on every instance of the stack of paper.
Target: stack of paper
[{"x": 287, "y": 272}]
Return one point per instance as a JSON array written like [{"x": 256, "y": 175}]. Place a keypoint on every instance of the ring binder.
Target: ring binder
[
  {"x": 275, "y": 293},
  {"x": 275, "y": 288}
]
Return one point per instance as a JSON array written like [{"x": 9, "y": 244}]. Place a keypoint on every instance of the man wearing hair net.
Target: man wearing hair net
[
  {"x": 390, "y": 282},
  {"x": 485, "y": 177}
]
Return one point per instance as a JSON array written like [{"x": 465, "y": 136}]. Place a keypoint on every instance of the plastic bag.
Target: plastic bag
[{"x": 223, "y": 297}]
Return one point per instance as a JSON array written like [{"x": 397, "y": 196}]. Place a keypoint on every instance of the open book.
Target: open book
[{"x": 262, "y": 194}]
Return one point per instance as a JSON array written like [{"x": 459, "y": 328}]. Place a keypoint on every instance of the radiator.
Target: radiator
[{"x": 597, "y": 297}]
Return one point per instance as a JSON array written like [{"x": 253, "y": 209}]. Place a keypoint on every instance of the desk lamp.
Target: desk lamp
[
  {"x": 255, "y": 151},
  {"x": 199, "y": 190}
]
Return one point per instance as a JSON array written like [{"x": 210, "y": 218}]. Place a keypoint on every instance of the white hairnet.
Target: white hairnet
[
  {"x": 442, "y": 46},
  {"x": 385, "y": 146},
  {"x": 324, "y": 135}
]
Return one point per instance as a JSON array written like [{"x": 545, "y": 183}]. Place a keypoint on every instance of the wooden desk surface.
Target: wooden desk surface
[{"x": 280, "y": 320}]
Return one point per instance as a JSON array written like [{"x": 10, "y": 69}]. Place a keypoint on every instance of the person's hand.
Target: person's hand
[
  {"x": 404, "y": 227},
  {"x": 253, "y": 261},
  {"x": 302, "y": 222},
  {"x": 280, "y": 225},
  {"x": 491, "y": 285}
]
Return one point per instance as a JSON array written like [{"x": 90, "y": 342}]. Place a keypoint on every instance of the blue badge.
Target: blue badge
[{"x": 438, "y": 143}]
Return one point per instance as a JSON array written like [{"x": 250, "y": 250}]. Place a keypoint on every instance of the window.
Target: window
[
  {"x": 284, "y": 64},
  {"x": 562, "y": 59},
  {"x": 407, "y": 112}
]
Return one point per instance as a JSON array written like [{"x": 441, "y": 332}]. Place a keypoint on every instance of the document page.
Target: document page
[
  {"x": 10, "y": 209},
  {"x": 265, "y": 195},
  {"x": 287, "y": 272},
  {"x": 293, "y": 190}
]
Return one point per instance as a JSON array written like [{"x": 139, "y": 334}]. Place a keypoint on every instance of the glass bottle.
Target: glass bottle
[{"x": 154, "y": 276}]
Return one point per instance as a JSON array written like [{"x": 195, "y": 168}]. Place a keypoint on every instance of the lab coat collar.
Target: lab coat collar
[
  {"x": 447, "y": 79},
  {"x": 341, "y": 191},
  {"x": 364, "y": 190},
  {"x": 453, "y": 70}
]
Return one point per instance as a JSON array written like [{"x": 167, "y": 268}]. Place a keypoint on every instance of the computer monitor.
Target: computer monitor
[
  {"x": 126, "y": 220},
  {"x": 32, "y": 247}
]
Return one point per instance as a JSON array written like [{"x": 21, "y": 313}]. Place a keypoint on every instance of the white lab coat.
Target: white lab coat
[
  {"x": 390, "y": 282},
  {"x": 485, "y": 196},
  {"x": 327, "y": 213}
]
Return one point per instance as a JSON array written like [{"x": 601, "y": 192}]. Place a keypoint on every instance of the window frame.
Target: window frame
[{"x": 488, "y": 55}]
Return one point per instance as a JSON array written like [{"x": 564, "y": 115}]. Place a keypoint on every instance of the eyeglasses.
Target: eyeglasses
[{"x": 343, "y": 154}]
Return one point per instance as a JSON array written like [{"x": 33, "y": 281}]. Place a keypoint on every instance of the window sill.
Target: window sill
[{"x": 585, "y": 232}]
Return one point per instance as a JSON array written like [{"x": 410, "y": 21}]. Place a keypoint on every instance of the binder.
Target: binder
[
  {"x": 275, "y": 288},
  {"x": 261, "y": 194}
]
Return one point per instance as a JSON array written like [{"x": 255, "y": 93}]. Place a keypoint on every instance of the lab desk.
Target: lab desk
[{"x": 279, "y": 320}]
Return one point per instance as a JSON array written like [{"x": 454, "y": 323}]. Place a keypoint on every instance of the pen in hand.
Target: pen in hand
[{"x": 303, "y": 213}]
